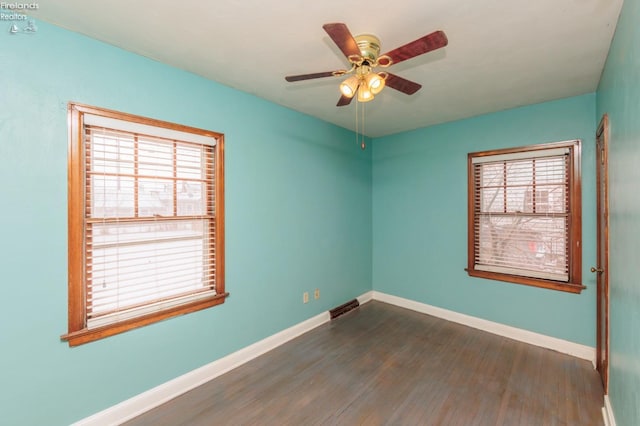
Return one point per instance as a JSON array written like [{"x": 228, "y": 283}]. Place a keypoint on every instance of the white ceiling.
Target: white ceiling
[{"x": 501, "y": 53}]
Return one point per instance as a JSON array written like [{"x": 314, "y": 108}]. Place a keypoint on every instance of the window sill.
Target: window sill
[
  {"x": 80, "y": 337},
  {"x": 535, "y": 282}
]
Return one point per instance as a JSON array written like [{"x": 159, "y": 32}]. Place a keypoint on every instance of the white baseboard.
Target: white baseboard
[
  {"x": 559, "y": 345},
  {"x": 607, "y": 413},
  {"x": 154, "y": 397},
  {"x": 367, "y": 297}
]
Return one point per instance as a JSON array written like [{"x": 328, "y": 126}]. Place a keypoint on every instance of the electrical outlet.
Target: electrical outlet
[
  {"x": 316, "y": 294},
  {"x": 305, "y": 297}
]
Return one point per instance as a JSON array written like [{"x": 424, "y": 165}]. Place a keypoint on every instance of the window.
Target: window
[
  {"x": 524, "y": 219},
  {"x": 146, "y": 222}
]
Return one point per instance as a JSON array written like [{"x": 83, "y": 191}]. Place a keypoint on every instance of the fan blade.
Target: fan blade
[
  {"x": 402, "y": 84},
  {"x": 342, "y": 37},
  {"x": 314, "y": 75},
  {"x": 433, "y": 41},
  {"x": 344, "y": 101}
]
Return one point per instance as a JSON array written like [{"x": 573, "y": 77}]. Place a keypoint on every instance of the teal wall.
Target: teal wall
[
  {"x": 298, "y": 217},
  {"x": 420, "y": 218},
  {"x": 619, "y": 96}
]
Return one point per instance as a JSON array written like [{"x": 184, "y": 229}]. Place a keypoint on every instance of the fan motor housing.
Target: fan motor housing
[{"x": 369, "y": 46}]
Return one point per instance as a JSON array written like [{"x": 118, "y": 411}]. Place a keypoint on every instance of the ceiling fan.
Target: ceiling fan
[{"x": 363, "y": 54}]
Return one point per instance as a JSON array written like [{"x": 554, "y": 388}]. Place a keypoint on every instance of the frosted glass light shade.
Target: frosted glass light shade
[
  {"x": 375, "y": 83},
  {"x": 349, "y": 87},
  {"x": 364, "y": 94}
]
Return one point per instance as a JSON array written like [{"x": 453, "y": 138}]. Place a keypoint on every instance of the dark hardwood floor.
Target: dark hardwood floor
[{"x": 381, "y": 364}]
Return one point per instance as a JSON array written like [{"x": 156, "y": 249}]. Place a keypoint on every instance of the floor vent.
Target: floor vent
[{"x": 343, "y": 309}]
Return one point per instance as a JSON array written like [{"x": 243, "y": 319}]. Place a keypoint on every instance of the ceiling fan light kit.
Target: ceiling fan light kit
[
  {"x": 363, "y": 54},
  {"x": 365, "y": 83}
]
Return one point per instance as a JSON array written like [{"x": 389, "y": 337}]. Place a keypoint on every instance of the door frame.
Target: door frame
[{"x": 602, "y": 268}]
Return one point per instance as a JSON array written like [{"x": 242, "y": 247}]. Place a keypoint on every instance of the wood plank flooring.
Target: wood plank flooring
[{"x": 385, "y": 365}]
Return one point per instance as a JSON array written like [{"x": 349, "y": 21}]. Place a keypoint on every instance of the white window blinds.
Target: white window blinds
[
  {"x": 521, "y": 213},
  {"x": 149, "y": 220}
]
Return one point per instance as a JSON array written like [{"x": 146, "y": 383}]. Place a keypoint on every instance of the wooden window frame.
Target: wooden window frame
[
  {"x": 78, "y": 333},
  {"x": 574, "y": 249}
]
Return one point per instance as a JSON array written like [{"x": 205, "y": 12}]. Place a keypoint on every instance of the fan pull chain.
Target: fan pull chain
[
  {"x": 357, "y": 139},
  {"x": 360, "y": 132},
  {"x": 362, "y": 145}
]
